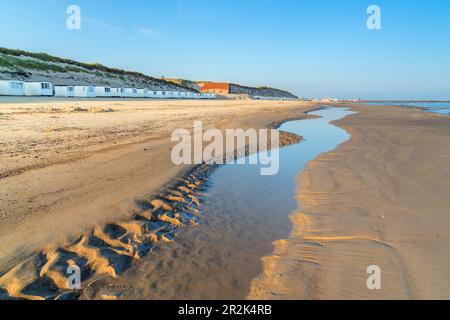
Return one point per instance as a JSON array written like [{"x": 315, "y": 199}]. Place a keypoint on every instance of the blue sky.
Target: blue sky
[{"x": 312, "y": 48}]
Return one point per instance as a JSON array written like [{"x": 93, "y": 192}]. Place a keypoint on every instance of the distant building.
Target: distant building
[
  {"x": 38, "y": 89},
  {"x": 84, "y": 91},
  {"x": 12, "y": 88},
  {"x": 131, "y": 93},
  {"x": 118, "y": 92},
  {"x": 64, "y": 91},
  {"x": 215, "y": 87},
  {"x": 101, "y": 91},
  {"x": 142, "y": 93}
]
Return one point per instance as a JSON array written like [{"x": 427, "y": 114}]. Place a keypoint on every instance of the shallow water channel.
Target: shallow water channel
[{"x": 244, "y": 214}]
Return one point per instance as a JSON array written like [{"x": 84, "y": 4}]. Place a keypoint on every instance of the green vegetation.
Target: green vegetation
[
  {"x": 263, "y": 91},
  {"x": 183, "y": 82},
  {"x": 52, "y": 59},
  {"x": 4, "y": 62},
  {"x": 17, "y": 63},
  {"x": 49, "y": 63}
]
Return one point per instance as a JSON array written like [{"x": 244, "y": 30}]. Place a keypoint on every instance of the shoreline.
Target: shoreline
[{"x": 349, "y": 219}]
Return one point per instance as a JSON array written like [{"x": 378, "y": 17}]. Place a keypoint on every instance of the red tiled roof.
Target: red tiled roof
[{"x": 216, "y": 86}]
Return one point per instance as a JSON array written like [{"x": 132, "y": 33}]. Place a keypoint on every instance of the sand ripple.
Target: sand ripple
[{"x": 107, "y": 251}]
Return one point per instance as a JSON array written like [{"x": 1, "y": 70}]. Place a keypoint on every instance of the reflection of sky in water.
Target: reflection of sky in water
[
  {"x": 240, "y": 192},
  {"x": 435, "y": 107}
]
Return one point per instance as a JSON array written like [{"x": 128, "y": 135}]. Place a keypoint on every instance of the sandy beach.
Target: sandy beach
[
  {"x": 383, "y": 199},
  {"x": 67, "y": 166}
]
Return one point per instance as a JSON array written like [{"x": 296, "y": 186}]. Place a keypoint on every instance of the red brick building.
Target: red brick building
[{"x": 215, "y": 87}]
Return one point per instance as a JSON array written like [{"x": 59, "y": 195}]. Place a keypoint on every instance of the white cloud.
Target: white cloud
[
  {"x": 108, "y": 26},
  {"x": 104, "y": 25},
  {"x": 146, "y": 31}
]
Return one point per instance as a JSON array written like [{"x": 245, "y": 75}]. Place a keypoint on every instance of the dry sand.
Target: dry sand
[
  {"x": 383, "y": 198},
  {"x": 68, "y": 166}
]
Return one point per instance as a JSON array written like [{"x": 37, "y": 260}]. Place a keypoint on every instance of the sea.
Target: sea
[{"x": 434, "y": 107}]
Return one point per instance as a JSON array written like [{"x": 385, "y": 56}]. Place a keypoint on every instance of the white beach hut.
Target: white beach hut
[
  {"x": 118, "y": 92},
  {"x": 158, "y": 94},
  {"x": 150, "y": 94},
  {"x": 178, "y": 95},
  {"x": 131, "y": 92},
  {"x": 127, "y": 93},
  {"x": 104, "y": 92},
  {"x": 12, "y": 88},
  {"x": 142, "y": 93},
  {"x": 169, "y": 94},
  {"x": 64, "y": 91},
  {"x": 38, "y": 89},
  {"x": 84, "y": 91}
]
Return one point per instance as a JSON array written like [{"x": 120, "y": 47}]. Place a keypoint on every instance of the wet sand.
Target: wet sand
[
  {"x": 69, "y": 168},
  {"x": 382, "y": 198}
]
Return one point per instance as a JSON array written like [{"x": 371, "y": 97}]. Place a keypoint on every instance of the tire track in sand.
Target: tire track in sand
[{"x": 110, "y": 250}]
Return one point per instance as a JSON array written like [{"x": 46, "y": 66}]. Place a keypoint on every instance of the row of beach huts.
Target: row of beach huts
[{"x": 22, "y": 88}]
